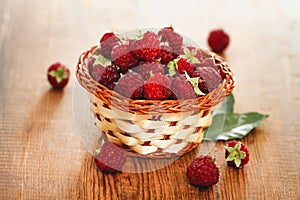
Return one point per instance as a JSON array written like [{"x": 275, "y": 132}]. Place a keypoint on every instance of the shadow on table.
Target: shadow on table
[{"x": 42, "y": 112}]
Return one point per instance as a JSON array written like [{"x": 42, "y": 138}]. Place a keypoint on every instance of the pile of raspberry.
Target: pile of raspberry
[{"x": 154, "y": 66}]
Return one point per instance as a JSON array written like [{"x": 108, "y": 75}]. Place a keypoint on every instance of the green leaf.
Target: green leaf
[
  {"x": 227, "y": 104},
  {"x": 172, "y": 68},
  {"x": 237, "y": 162},
  {"x": 60, "y": 74},
  {"x": 190, "y": 55},
  {"x": 194, "y": 82},
  {"x": 228, "y": 126},
  {"x": 102, "y": 60}
]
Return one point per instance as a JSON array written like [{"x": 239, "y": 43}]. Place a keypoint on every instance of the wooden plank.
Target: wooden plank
[{"x": 42, "y": 156}]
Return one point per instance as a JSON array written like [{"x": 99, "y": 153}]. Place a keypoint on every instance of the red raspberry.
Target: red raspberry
[
  {"x": 148, "y": 68},
  {"x": 148, "y": 47},
  {"x": 105, "y": 75},
  {"x": 58, "y": 75},
  {"x": 209, "y": 62},
  {"x": 183, "y": 65},
  {"x": 91, "y": 62},
  {"x": 218, "y": 40},
  {"x": 124, "y": 57},
  {"x": 209, "y": 78},
  {"x": 111, "y": 159},
  {"x": 107, "y": 42},
  {"x": 169, "y": 27},
  {"x": 157, "y": 87},
  {"x": 166, "y": 54},
  {"x": 236, "y": 154},
  {"x": 178, "y": 52},
  {"x": 174, "y": 40},
  {"x": 130, "y": 85},
  {"x": 111, "y": 86},
  {"x": 203, "y": 172},
  {"x": 182, "y": 88}
]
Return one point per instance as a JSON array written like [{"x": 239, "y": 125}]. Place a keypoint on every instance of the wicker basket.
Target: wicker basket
[{"x": 152, "y": 128}]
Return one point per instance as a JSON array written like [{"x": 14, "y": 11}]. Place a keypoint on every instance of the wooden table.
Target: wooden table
[{"x": 41, "y": 155}]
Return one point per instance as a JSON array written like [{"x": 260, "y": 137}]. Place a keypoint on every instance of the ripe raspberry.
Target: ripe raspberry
[
  {"x": 182, "y": 88},
  {"x": 183, "y": 65},
  {"x": 107, "y": 42},
  {"x": 58, "y": 75},
  {"x": 148, "y": 47},
  {"x": 130, "y": 85},
  {"x": 203, "y": 172},
  {"x": 91, "y": 62},
  {"x": 148, "y": 68},
  {"x": 111, "y": 159},
  {"x": 124, "y": 57},
  {"x": 174, "y": 40},
  {"x": 105, "y": 75},
  {"x": 111, "y": 86},
  {"x": 209, "y": 62},
  {"x": 157, "y": 87},
  {"x": 218, "y": 40},
  {"x": 236, "y": 154},
  {"x": 209, "y": 78},
  {"x": 166, "y": 54}
]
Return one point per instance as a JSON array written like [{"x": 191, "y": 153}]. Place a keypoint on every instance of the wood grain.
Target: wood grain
[{"x": 41, "y": 155}]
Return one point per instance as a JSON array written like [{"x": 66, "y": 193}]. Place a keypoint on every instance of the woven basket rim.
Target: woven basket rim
[{"x": 143, "y": 105}]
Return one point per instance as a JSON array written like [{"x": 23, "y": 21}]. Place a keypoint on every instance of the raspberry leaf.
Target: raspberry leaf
[
  {"x": 102, "y": 60},
  {"x": 228, "y": 125},
  {"x": 97, "y": 151},
  {"x": 190, "y": 55},
  {"x": 194, "y": 82},
  {"x": 172, "y": 68},
  {"x": 227, "y": 105},
  {"x": 235, "y": 125},
  {"x": 235, "y": 154},
  {"x": 59, "y": 74}
]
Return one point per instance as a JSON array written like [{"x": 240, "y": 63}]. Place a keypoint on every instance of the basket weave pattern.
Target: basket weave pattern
[{"x": 152, "y": 128}]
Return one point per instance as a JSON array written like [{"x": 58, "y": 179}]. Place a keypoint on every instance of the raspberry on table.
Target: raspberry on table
[
  {"x": 157, "y": 87},
  {"x": 203, "y": 172},
  {"x": 236, "y": 154},
  {"x": 111, "y": 158},
  {"x": 146, "y": 69},
  {"x": 130, "y": 85},
  {"x": 182, "y": 88},
  {"x": 123, "y": 57},
  {"x": 218, "y": 40},
  {"x": 107, "y": 42},
  {"x": 148, "y": 47},
  {"x": 58, "y": 75}
]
